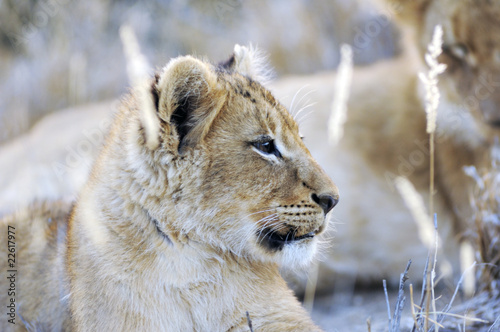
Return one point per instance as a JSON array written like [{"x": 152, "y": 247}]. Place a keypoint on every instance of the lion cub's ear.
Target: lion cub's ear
[
  {"x": 250, "y": 62},
  {"x": 188, "y": 99}
]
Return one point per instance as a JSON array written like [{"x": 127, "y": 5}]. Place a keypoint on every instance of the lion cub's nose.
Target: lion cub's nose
[{"x": 326, "y": 201}]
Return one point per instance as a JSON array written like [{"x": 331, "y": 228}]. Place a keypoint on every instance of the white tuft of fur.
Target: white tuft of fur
[
  {"x": 252, "y": 62},
  {"x": 299, "y": 255},
  {"x": 137, "y": 69}
]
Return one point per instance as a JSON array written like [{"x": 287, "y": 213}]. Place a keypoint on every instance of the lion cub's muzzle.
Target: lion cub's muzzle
[{"x": 296, "y": 222}]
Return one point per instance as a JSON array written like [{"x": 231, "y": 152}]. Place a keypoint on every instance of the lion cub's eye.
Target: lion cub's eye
[{"x": 267, "y": 147}]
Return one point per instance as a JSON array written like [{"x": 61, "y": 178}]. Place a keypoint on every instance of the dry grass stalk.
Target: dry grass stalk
[
  {"x": 486, "y": 204},
  {"x": 419, "y": 323},
  {"x": 448, "y": 307},
  {"x": 338, "y": 115},
  {"x": 413, "y": 305},
  {"x": 139, "y": 76},
  {"x": 389, "y": 319},
  {"x": 432, "y": 95},
  {"x": 431, "y": 104},
  {"x": 394, "y": 322},
  {"x": 431, "y": 286}
]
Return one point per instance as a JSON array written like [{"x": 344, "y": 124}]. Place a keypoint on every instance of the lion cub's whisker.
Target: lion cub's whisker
[{"x": 294, "y": 97}]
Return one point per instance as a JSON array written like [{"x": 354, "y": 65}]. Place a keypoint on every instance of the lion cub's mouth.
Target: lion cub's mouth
[{"x": 275, "y": 241}]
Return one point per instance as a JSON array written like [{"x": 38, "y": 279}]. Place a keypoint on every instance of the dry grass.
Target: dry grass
[
  {"x": 485, "y": 238},
  {"x": 428, "y": 231},
  {"x": 486, "y": 205}
]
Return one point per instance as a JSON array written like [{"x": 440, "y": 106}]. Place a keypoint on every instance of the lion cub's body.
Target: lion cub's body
[{"x": 184, "y": 231}]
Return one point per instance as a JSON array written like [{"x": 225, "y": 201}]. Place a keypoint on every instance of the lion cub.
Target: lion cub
[{"x": 186, "y": 232}]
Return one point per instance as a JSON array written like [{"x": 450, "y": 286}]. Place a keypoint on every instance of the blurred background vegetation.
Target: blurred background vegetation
[{"x": 60, "y": 53}]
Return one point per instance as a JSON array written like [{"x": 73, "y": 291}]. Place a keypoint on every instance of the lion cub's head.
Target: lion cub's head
[
  {"x": 231, "y": 169},
  {"x": 470, "y": 86}
]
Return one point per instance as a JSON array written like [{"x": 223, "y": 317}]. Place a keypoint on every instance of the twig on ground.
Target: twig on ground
[
  {"x": 400, "y": 303},
  {"x": 450, "y": 303},
  {"x": 249, "y": 322},
  {"x": 433, "y": 277},
  {"x": 494, "y": 323},
  {"x": 384, "y": 282},
  {"x": 413, "y": 307},
  {"x": 472, "y": 319},
  {"x": 422, "y": 297}
]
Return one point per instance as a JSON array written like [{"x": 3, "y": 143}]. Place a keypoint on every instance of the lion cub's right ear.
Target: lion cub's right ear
[{"x": 188, "y": 99}]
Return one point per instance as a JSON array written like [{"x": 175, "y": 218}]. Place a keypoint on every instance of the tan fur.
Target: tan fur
[
  {"x": 40, "y": 286},
  {"x": 385, "y": 137},
  {"x": 177, "y": 238}
]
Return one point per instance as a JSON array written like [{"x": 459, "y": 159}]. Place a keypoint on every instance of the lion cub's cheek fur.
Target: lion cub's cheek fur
[{"x": 278, "y": 199}]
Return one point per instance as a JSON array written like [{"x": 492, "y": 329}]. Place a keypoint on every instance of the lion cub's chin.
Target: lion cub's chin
[{"x": 297, "y": 254}]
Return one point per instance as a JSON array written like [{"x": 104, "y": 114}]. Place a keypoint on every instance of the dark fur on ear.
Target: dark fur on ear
[
  {"x": 228, "y": 64},
  {"x": 189, "y": 98},
  {"x": 181, "y": 116},
  {"x": 154, "y": 91}
]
